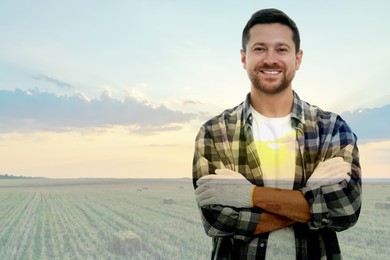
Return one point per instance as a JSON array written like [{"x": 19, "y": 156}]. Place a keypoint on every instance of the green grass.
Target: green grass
[
  {"x": 76, "y": 219},
  {"x": 369, "y": 238}
]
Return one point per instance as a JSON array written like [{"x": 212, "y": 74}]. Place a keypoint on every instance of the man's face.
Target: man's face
[{"x": 270, "y": 58}]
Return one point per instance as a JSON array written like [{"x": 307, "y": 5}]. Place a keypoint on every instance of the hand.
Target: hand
[
  {"x": 226, "y": 187},
  {"x": 328, "y": 172}
]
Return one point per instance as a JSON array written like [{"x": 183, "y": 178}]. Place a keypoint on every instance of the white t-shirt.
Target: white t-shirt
[{"x": 275, "y": 144}]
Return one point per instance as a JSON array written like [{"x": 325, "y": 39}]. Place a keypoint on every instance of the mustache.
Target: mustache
[{"x": 269, "y": 67}]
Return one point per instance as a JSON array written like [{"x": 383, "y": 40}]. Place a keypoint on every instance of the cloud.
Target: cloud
[
  {"x": 369, "y": 124},
  {"x": 56, "y": 82},
  {"x": 29, "y": 111},
  {"x": 191, "y": 102}
]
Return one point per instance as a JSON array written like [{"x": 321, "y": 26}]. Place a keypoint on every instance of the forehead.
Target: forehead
[{"x": 270, "y": 33}]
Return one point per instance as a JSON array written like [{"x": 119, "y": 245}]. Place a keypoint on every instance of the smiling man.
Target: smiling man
[
  {"x": 270, "y": 57},
  {"x": 275, "y": 177}
]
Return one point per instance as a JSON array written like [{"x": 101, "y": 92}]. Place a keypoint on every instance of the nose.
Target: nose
[{"x": 270, "y": 57}]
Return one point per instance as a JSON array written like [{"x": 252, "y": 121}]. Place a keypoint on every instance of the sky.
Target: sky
[{"x": 120, "y": 88}]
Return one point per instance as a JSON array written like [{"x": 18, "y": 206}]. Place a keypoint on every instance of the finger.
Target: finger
[
  {"x": 328, "y": 180},
  {"x": 330, "y": 170},
  {"x": 204, "y": 196},
  {"x": 225, "y": 172},
  {"x": 338, "y": 166},
  {"x": 230, "y": 175},
  {"x": 347, "y": 167},
  {"x": 200, "y": 189},
  {"x": 206, "y": 178},
  {"x": 341, "y": 170},
  {"x": 330, "y": 162},
  {"x": 207, "y": 202},
  {"x": 221, "y": 180}
]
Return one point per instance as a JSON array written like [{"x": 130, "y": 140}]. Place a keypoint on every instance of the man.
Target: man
[{"x": 275, "y": 177}]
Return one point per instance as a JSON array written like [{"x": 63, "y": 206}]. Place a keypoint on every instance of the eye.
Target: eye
[
  {"x": 283, "y": 50},
  {"x": 259, "y": 49}
]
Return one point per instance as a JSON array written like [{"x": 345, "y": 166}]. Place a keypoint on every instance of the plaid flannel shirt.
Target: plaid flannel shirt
[{"x": 226, "y": 141}]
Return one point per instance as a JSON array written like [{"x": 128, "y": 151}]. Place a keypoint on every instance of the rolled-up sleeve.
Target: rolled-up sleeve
[
  {"x": 334, "y": 206},
  {"x": 337, "y": 206},
  {"x": 220, "y": 221}
]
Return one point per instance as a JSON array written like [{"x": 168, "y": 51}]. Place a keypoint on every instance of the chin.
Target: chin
[{"x": 271, "y": 90}]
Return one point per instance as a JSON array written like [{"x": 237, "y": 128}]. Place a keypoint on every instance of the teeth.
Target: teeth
[{"x": 271, "y": 72}]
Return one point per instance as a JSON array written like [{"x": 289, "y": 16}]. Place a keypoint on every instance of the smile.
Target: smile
[{"x": 270, "y": 72}]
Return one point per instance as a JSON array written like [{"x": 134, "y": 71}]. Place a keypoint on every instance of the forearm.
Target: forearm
[
  {"x": 334, "y": 206},
  {"x": 270, "y": 222},
  {"x": 287, "y": 203},
  {"x": 220, "y": 221}
]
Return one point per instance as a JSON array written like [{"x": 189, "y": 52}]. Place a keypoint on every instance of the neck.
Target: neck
[{"x": 272, "y": 105}]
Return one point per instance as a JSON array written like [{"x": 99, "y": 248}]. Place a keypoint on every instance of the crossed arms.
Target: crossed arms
[
  {"x": 280, "y": 207},
  {"x": 334, "y": 205}
]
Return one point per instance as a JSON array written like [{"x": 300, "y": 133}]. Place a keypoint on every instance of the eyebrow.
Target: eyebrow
[{"x": 274, "y": 44}]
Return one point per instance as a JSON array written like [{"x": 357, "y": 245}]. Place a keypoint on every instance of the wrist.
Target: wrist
[
  {"x": 256, "y": 196},
  {"x": 253, "y": 196}
]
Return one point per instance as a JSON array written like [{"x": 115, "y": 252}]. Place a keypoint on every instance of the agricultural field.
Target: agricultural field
[
  {"x": 139, "y": 219},
  {"x": 78, "y": 219}
]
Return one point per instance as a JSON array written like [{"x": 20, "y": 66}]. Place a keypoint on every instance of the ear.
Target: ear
[
  {"x": 243, "y": 58},
  {"x": 298, "y": 59}
]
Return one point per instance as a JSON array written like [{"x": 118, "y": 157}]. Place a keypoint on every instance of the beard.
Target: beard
[{"x": 270, "y": 87}]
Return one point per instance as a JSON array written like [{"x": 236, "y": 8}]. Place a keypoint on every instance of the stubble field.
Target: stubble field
[{"x": 83, "y": 219}]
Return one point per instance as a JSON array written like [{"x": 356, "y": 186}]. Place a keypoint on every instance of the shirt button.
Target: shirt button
[{"x": 262, "y": 245}]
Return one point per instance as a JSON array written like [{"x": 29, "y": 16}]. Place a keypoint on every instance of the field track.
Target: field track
[{"x": 78, "y": 219}]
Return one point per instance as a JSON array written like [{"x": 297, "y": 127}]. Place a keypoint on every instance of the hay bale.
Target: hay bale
[
  {"x": 382, "y": 205},
  {"x": 168, "y": 201},
  {"x": 125, "y": 243}
]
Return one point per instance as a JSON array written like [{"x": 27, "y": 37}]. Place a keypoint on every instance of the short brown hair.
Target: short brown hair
[{"x": 268, "y": 16}]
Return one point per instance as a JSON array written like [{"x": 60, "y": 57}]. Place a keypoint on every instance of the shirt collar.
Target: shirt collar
[
  {"x": 297, "y": 110},
  {"x": 296, "y": 113},
  {"x": 248, "y": 118}
]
